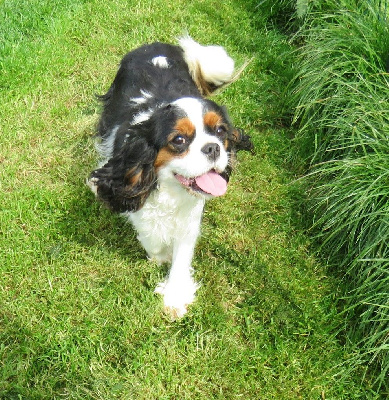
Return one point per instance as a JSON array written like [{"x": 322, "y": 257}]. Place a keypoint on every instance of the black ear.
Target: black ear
[
  {"x": 126, "y": 180},
  {"x": 241, "y": 140}
]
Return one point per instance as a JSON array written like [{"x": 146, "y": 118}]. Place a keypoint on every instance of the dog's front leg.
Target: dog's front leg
[{"x": 178, "y": 291}]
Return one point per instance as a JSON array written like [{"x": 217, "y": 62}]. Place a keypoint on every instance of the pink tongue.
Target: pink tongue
[{"x": 212, "y": 183}]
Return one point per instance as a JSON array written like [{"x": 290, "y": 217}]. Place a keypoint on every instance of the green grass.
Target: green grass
[
  {"x": 78, "y": 317},
  {"x": 340, "y": 96}
]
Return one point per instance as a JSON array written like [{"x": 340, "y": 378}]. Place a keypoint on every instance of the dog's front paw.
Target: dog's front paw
[
  {"x": 177, "y": 298},
  {"x": 92, "y": 183}
]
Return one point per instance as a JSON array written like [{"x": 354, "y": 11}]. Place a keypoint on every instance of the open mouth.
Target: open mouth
[{"x": 210, "y": 183}]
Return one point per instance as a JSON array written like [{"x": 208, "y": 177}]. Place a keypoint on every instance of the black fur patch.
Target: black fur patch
[{"x": 142, "y": 88}]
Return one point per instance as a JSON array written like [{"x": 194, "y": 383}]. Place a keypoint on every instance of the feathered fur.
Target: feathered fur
[{"x": 165, "y": 150}]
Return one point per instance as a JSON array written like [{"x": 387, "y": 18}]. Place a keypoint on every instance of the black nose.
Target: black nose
[{"x": 211, "y": 150}]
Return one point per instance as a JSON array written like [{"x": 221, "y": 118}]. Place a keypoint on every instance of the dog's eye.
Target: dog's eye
[
  {"x": 179, "y": 140},
  {"x": 221, "y": 130}
]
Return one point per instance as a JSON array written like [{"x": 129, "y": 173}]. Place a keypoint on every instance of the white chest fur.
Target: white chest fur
[{"x": 168, "y": 226}]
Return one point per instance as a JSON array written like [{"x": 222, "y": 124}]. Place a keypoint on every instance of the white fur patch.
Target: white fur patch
[
  {"x": 216, "y": 65},
  {"x": 105, "y": 147},
  {"x": 177, "y": 296},
  {"x": 141, "y": 117},
  {"x": 160, "y": 61},
  {"x": 92, "y": 183},
  {"x": 193, "y": 108},
  {"x": 168, "y": 226},
  {"x": 146, "y": 96}
]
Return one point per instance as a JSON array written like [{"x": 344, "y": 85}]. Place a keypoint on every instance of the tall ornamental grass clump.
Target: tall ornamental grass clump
[{"x": 341, "y": 100}]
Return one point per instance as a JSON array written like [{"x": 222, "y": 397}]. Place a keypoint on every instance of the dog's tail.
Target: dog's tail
[{"x": 210, "y": 66}]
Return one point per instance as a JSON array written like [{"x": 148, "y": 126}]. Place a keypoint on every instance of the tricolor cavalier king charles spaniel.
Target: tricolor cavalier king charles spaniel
[{"x": 165, "y": 150}]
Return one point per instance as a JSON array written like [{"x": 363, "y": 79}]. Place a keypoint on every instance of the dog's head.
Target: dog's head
[{"x": 189, "y": 144}]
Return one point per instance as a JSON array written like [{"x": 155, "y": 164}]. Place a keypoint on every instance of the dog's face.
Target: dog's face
[
  {"x": 188, "y": 144},
  {"x": 196, "y": 149}
]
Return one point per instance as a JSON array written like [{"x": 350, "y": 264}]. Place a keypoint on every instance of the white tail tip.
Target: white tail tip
[{"x": 211, "y": 64}]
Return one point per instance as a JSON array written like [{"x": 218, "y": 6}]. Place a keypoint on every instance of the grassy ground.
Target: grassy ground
[
  {"x": 78, "y": 317},
  {"x": 341, "y": 109}
]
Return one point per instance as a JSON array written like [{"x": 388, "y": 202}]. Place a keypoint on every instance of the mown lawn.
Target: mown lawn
[{"x": 78, "y": 317}]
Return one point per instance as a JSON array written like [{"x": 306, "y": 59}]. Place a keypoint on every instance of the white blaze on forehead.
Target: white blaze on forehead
[{"x": 193, "y": 108}]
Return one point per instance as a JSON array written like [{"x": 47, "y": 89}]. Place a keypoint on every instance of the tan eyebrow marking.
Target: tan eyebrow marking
[
  {"x": 212, "y": 119},
  {"x": 185, "y": 126}
]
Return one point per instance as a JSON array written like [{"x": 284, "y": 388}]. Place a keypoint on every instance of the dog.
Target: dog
[{"x": 165, "y": 150}]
